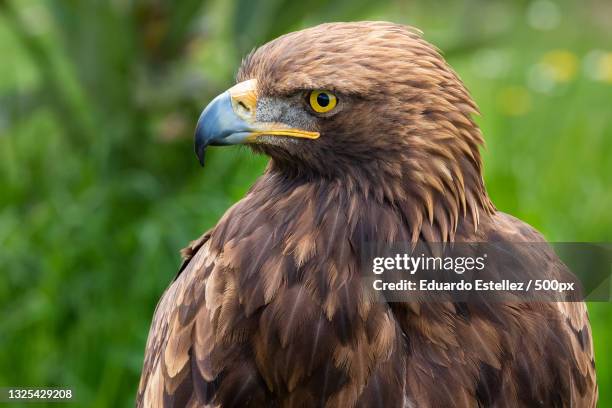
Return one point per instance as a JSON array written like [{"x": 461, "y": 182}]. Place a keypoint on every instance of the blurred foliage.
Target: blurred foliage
[{"x": 99, "y": 187}]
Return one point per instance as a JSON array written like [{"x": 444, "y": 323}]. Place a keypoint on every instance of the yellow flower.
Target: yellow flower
[
  {"x": 604, "y": 67},
  {"x": 561, "y": 64}
]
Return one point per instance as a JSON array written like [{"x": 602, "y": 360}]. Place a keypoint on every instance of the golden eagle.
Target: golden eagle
[{"x": 370, "y": 138}]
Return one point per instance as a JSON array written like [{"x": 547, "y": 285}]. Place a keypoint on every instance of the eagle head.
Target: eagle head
[{"x": 371, "y": 102}]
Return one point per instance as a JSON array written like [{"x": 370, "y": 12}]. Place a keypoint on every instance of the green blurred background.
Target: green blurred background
[{"x": 99, "y": 186}]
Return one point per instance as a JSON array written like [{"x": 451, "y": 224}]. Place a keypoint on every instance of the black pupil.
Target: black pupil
[{"x": 323, "y": 99}]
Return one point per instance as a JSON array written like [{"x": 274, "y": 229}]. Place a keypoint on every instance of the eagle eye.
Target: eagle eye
[{"x": 322, "y": 101}]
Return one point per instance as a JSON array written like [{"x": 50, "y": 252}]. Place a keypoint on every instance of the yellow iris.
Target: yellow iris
[{"x": 322, "y": 101}]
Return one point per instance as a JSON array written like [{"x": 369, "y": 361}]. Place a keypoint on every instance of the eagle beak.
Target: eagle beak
[{"x": 230, "y": 119}]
